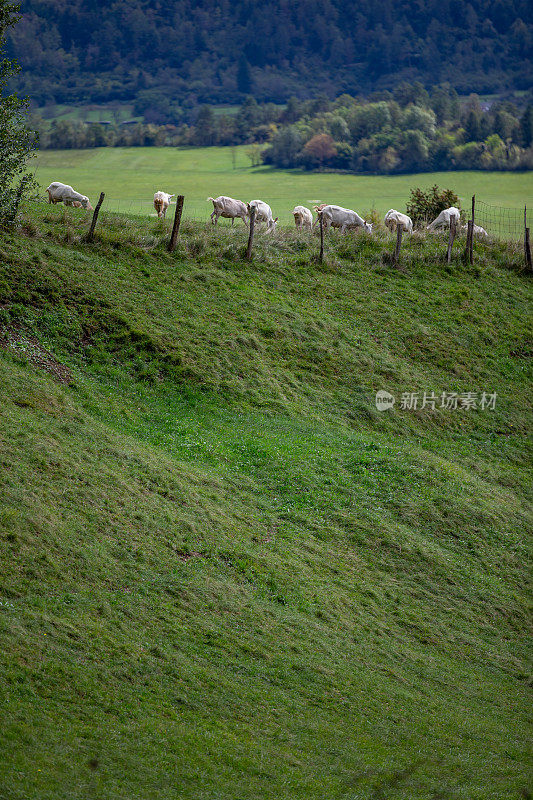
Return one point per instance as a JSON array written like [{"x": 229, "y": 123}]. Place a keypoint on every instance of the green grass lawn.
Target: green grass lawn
[
  {"x": 224, "y": 574},
  {"x": 130, "y": 176},
  {"x": 111, "y": 112}
]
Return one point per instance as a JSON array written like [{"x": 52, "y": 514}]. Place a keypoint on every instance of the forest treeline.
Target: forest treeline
[
  {"x": 175, "y": 55},
  {"x": 409, "y": 129}
]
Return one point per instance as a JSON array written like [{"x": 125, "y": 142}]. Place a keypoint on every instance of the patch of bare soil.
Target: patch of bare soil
[{"x": 29, "y": 347}]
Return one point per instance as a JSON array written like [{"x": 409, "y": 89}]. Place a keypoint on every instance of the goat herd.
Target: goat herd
[{"x": 332, "y": 216}]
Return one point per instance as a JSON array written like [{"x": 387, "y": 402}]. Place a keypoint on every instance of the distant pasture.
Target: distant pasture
[{"x": 130, "y": 176}]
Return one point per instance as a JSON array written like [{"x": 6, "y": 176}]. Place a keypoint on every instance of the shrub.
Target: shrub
[
  {"x": 424, "y": 206},
  {"x": 17, "y": 142}
]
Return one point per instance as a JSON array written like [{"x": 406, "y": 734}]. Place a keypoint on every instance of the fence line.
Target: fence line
[
  {"x": 510, "y": 222},
  {"x": 499, "y": 222}
]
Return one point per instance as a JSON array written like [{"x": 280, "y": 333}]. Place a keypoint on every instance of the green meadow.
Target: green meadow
[
  {"x": 130, "y": 176},
  {"x": 109, "y": 112},
  {"x": 224, "y": 574}
]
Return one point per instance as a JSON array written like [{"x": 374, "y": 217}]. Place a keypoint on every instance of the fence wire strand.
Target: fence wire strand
[{"x": 500, "y": 222}]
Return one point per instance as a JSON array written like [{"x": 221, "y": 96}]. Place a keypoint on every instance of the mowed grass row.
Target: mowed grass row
[{"x": 130, "y": 176}]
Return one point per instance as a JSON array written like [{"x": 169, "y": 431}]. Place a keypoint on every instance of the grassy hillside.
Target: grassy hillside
[
  {"x": 129, "y": 176},
  {"x": 224, "y": 573}
]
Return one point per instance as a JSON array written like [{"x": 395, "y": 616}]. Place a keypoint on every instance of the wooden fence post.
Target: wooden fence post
[
  {"x": 468, "y": 254},
  {"x": 90, "y": 235},
  {"x": 527, "y": 250},
  {"x": 251, "y": 234},
  {"x": 176, "y": 226},
  {"x": 321, "y": 256},
  {"x": 453, "y": 231},
  {"x": 471, "y": 251},
  {"x": 466, "y": 251},
  {"x": 527, "y": 245},
  {"x": 396, "y": 256}
]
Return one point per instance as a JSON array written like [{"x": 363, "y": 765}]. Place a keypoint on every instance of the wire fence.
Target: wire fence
[
  {"x": 196, "y": 210},
  {"x": 500, "y": 222}
]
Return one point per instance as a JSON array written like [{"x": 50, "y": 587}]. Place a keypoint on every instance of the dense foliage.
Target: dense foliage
[
  {"x": 427, "y": 205},
  {"x": 183, "y": 51},
  {"x": 16, "y": 140},
  {"x": 407, "y": 130}
]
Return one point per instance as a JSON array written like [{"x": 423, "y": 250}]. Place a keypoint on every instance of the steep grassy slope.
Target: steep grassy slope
[{"x": 224, "y": 573}]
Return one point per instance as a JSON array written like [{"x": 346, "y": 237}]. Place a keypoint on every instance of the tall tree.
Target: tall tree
[
  {"x": 205, "y": 127},
  {"x": 526, "y": 127},
  {"x": 17, "y": 142},
  {"x": 473, "y": 126},
  {"x": 244, "y": 76}
]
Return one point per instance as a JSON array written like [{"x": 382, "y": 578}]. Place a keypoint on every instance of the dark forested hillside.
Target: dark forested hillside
[{"x": 216, "y": 51}]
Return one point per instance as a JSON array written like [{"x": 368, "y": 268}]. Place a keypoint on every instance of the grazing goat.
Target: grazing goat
[
  {"x": 228, "y": 208},
  {"x": 444, "y": 218},
  {"x": 302, "y": 217},
  {"x": 480, "y": 232},
  {"x": 343, "y": 218},
  {"x": 162, "y": 202},
  {"x": 395, "y": 219},
  {"x": 263, "y": 213},
  {"x": 63, "y": 193}
]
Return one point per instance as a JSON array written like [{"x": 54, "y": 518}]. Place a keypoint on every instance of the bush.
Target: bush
[
  {"x": 17, "y": 142},
  {"x": 424, "y": 206}
]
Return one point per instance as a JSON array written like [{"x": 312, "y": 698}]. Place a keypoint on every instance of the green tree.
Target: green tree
[
  {"x": 526, "y": 126},
  {"x": 441, "y": 103},
  {"x": 292, "y": 111},
  {"x": 286, "y": 144},
  {"x": 247, "y": 119},
  {"x": 367, "y": 119},
  {"x": 473, "y": 126},
  {"x": 467, "y": 156},
  {"x": 414, "y": 150},
  {"x": 254, "y": 154},
  {"x": 407, "y": 93},
  {"x": 505, "y": 125},
  {"x": 17, "y": 141},
  {"x": 244, "y": 76},
  {"x": 497, "y": 154},
  {"x": 416, "y": 118},
  {"x": 205, "y": 132},
  {"x": 389, "y": 160},
  {"x": 339, "y": 129}
]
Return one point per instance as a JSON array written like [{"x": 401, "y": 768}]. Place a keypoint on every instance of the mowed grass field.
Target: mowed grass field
[{"x": 130, "y": 176}]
